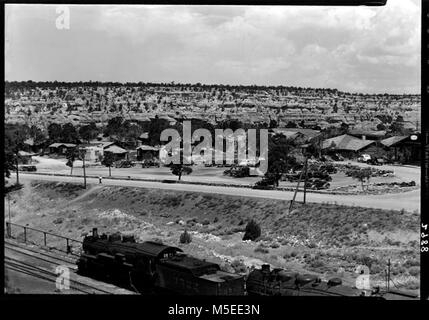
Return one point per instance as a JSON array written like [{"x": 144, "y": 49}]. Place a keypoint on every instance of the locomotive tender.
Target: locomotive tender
[{"x": 150, "y": 264}]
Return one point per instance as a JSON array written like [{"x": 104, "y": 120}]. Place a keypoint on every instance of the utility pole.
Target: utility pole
[
  {"x": 8, "y": 200},
  {"x": 388, "y": 275},
  {"x": 16, "y": 164},
  {"x": 297, "y": 186},
  {"x": 305, "y": 179},
  {"x": 9, "y": 226},
  {"x": 83, "y": 167}
]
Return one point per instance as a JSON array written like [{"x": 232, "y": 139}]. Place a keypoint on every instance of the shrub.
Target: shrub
[
  {"x": 365, "y": 260},
  {"x": 412, "y": 285},
  {"x": 274, "y": 245},
  {"x": 261, "y": 249},
  {"x": 316, "y": 263},
  {"x": 414, "y": 271},
  {"x": 411, "y": 263},
  {"x": 58, "y": 221},
  {"x": 312, "y": 245},
  {"x": 252, "y": 231},
  {"x": 185, "y": 237},
  {"x": 239, "y": 266}
]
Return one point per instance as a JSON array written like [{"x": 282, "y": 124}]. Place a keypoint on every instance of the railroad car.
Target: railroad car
[
  {"x": 287, "y": 283},
  {"x": 192, "y": 276},
  {"x": 280, "y": 282}
]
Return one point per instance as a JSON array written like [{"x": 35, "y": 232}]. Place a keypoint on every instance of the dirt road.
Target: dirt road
[{"x": 409, "y": 201}]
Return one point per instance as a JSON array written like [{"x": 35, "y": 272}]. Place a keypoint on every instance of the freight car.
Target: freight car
[
  {"x": 165, "y": 269},
  {"x": 280, "y": 282}
]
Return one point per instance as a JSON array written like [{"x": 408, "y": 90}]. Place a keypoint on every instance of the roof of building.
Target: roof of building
[
  {"x": 147, "y": 148},
  {"x": 393, "y": 140},
  {"x": 116, "y": 150},
  {"x": 60, "y": 144},
  {"x": 25, "y": 154},
  {"x": 346, "y": 142},
  {"x": 369, "y": 133},
  {"x": 104, "y": 144},
  {"x": 288, "y": 134},
  {"x": 309, "y": 133},
  {"x": 29, "y": 141}
]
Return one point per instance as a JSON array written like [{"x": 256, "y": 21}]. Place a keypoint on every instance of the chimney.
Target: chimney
[
  {"x": 363, "y": 137},
  {"x": 95, "y": 232}
]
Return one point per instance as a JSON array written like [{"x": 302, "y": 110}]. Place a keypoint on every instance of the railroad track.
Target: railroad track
[
  {"x": 38, "y": 255},
  {"x": 47, "y": 275}
]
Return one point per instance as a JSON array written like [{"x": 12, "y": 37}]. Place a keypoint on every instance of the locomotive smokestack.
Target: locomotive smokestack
[
  {"x": 265, "y": 268},
  {"x": 94, "y": 232}
]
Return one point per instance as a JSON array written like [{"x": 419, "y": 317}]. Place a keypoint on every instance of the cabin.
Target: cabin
[
  {"x": 61, "y": 148},
  {"x": 32, "y": 146},
  {"x": 147, "y": 153},
  {"x": 25, "y": 157},
  {"x": 348, "y": 146},
  {"x": 299, "y": 135},
  {"x": 118, "y": 152},
  {"x": 404, "y": 149},
  {"x": 94, "y": 151},
  {"x": 144, "y": 138}
]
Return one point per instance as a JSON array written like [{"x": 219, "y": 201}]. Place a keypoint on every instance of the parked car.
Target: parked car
[
  {"x": 364, "y": 158},
  {"x": 150, "y": 163},
  {"x": 375, "y": 161},
  {"x": 337, "y": 157},
  {"x": 123, "y": 164},
  {"x": 27, "y": 168}
]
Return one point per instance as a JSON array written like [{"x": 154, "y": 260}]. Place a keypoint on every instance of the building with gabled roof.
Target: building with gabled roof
[
  {"x": 404, "y": 149},
  {"x": 346, "y": 142},
  {"x": 61, "y": 148},
  {"x": 118, "y": 152},
  {"x": 349, "y": 146},
  {"x": 368, "y": 134}
]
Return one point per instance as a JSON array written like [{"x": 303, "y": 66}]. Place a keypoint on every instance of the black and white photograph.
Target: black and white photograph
[{"x": 213, "y": 150}]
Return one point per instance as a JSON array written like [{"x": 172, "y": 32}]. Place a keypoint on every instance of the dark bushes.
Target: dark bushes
[
  {"x": 252, "y": 231},
  {"x": 185, "y": 237}
]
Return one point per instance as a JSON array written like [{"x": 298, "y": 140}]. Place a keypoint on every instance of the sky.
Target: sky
[{"x": 354, "y": 49}]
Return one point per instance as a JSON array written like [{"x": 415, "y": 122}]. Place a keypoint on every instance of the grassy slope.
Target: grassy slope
[{"x": 318, "y": 238}]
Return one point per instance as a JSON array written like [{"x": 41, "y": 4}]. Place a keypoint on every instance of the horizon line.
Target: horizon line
[{"x": 173, "y": 83}]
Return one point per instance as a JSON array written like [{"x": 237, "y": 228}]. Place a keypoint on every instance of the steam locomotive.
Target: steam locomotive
[
  {"x": 152, "y": 267},
  {"x": 119, "y": 259}
]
